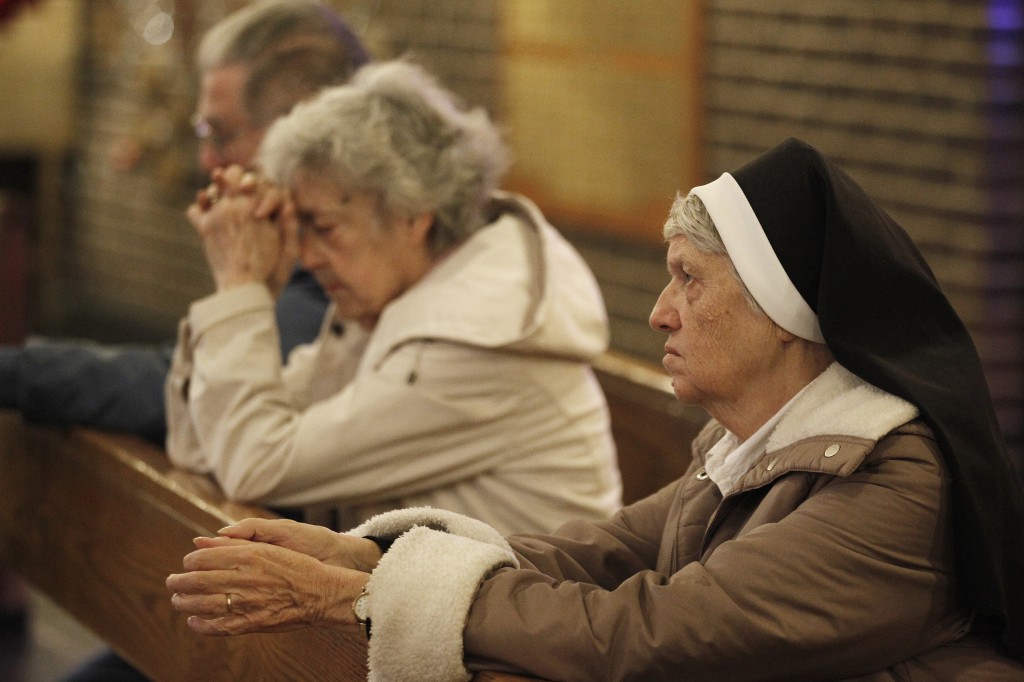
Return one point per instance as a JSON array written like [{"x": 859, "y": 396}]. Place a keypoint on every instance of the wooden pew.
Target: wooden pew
[{"x": 98, "y": 520}]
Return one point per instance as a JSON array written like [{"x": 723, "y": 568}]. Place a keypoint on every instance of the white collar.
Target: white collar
[{"x": 729, "y": 459}]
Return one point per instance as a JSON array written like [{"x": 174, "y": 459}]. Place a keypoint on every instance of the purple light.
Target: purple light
[
  {"x": 1006, "y": 15},
  {"x": 1006, "y": 18},
  {"x": 1003, "y": 51}
]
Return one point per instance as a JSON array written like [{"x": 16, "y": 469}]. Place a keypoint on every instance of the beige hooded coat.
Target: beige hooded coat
[{"x": 473, "y": 393}]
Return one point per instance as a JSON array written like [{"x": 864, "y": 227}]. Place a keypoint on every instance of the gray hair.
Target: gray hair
[
  {"x": 394, "y": 131},
  {"x": 292, "y": 49},
  {"x": 689, "y": 218}
]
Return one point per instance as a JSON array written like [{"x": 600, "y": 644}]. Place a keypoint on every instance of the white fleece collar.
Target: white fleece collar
[
  {"x": 838, "y": 402},
  {"x": 835, "y": 403}
]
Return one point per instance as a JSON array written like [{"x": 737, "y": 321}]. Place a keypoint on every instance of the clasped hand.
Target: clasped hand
[
  {"x": 263, "y": 575},
  {"x": 248, "y": 229}
]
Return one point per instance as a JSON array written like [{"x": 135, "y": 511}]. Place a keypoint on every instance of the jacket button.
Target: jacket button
[{"x": 831, "y": 450}]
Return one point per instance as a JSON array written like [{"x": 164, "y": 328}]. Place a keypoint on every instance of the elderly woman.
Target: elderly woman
[
  {"x": 452, "y": 369},
  {"x": 849, "y": 511}
]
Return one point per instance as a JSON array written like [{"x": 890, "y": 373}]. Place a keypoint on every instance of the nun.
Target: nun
[{"x": 850, "y": 511}]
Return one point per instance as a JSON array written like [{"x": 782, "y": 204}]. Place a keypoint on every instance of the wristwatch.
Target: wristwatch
[{"x": 361, "y": 610}]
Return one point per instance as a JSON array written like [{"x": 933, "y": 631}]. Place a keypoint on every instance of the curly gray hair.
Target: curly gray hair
[{"x": 394, "y": 131}]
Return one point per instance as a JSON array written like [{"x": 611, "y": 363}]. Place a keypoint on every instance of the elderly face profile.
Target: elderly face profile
[
  {"x": 225, "y": 128},
  {"x": 723, "y": 352},
  {"x": 256, "y": 63},
  {"x": 718, "y": 343}
]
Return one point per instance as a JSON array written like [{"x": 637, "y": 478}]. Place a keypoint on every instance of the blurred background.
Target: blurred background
[{"x": 611, "y": 107}]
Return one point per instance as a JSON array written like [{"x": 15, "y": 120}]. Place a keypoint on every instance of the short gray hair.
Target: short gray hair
[
  {"x": 394, "y": 131},
  {"x": 292, "y": 49},
  {"x": 689, "y": 218}
]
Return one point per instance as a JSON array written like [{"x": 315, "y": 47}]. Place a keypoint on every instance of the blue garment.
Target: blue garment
[
  {"x": 121, "y": 388},
  {"x": 300, "y": 311}
]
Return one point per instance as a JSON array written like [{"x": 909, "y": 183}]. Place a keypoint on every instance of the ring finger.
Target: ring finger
[{"x": 206, "y": 605}]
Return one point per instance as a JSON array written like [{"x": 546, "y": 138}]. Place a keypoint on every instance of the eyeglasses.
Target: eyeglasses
[{"x": 218, "y": 139}]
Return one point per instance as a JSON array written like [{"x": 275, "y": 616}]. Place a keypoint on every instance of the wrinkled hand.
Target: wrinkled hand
[
  {"x": 272, "y": 589},
  {"x": 335, "y": 549},
  {"x": 248, "y": 229}
]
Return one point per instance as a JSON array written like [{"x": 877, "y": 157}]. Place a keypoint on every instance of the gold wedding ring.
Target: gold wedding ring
[
  {"x": 213, "y": 194},
  {"x": 227, "y": 601}
]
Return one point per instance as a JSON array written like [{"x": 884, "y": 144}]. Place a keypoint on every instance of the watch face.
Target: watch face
[{"x": 361, "y": 607}]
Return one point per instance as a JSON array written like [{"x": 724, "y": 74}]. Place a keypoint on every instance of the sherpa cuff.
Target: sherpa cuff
[
  {"x": 421, "y": 591},
  {"x": 390, "y": 525}
]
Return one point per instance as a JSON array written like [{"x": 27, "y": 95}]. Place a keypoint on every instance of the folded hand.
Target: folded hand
[
  {"x": 248, "y": 229},
  {"x": 240, "y": 586},
  {"x": 336, "y": 549}
]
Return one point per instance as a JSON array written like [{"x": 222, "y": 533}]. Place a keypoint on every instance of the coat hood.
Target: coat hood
[{"x": 515, "y": 284}]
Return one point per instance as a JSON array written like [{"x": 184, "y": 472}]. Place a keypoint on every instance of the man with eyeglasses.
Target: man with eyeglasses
[{"x": 253, "y": 66}]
